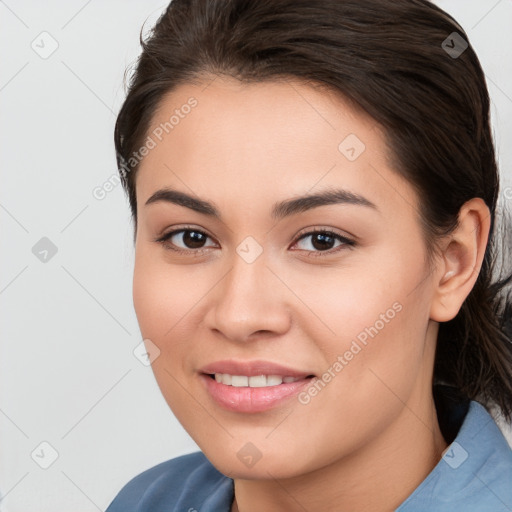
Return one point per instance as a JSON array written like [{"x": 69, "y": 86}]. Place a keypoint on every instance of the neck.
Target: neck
[{"x": 377, "y": 477}]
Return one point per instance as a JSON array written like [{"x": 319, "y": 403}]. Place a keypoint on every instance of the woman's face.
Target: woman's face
[{"x": 349, "y": 305}]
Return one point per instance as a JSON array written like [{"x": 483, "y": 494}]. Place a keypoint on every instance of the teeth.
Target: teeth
[
  {"x": 274, "y": 380},
  {"x": 256, "y": 381},
  {"x": 239, "y": 381},
  {"x": 289, "y": 379}
]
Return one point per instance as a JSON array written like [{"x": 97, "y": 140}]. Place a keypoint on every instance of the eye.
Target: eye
[
  {"x": 191, "y": 241},
  {"x": 322, "y": 241},
  {"x": 184, "y": 240}
]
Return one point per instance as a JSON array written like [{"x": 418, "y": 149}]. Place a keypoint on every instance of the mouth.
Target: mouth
[
  {"x": 254, "y": 381},
  {"x": 253, "y": 393},
  {"x": 244, "y": 370}
]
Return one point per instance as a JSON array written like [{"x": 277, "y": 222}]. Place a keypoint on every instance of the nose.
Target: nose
[{"x": 249, "y": 302}]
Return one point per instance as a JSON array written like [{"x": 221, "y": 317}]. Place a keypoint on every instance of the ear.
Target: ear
[{"x": 460, "y": 261}]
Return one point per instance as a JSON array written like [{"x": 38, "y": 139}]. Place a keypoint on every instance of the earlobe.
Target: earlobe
[{"x": 461, "y": 259}]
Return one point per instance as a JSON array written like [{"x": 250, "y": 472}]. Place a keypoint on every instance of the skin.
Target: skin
[{"x": 371, "y": 435}]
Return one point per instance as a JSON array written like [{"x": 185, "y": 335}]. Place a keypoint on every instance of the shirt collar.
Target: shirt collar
[{"x": 474, "y": 465}]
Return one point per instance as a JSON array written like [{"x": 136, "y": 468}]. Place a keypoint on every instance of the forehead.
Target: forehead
[
  {"x": 223, "y": 138},
  {"x": 276, "y": 112}
]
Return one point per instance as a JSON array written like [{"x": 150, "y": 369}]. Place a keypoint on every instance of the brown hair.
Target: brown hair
[{"x": 399, "y": 61}]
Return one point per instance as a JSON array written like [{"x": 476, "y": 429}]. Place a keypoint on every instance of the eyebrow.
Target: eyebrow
[{"x": 280, "y": 209}]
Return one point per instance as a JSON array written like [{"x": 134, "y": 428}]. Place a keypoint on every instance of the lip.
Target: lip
[
  {"x": 247, "y": 399},
  {"x": 252, "y": 368},
  {"x": 252, "y": 400}
]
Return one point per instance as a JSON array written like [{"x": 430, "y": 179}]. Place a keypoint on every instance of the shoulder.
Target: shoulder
[
  {"x": 183, "y": 483},
  {"x": 474, "y": 474},
  {"x": 489, "y": 456}
]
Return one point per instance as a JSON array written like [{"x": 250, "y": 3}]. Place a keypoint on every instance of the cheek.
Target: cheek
[
  {"x": 162, "y": 294},
  {"x": 169, "y": 305},
  {"x": 373, "y": 314},
  {"x": 352, "y": 300},
  {"x": 161, "y": 307}
]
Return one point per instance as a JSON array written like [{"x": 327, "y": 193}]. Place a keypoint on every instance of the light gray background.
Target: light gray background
[{"x": 68, "y": 376}]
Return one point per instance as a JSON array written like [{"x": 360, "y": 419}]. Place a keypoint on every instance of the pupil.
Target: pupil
[
  {"x": 325, "y": 240},
  {"x": 193, "y": 239}
]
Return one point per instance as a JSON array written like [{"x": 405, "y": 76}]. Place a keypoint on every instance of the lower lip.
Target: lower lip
[{"x": 247, "y": 399}]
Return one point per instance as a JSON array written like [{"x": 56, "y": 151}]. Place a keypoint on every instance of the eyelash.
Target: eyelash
[{"x": 346, "y": 242}]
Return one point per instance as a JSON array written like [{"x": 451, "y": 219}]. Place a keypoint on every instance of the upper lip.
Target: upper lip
[{"x": 252, "y": 368}]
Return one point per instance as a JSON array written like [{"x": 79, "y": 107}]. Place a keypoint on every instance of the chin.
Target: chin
[{"x": 239, "y": 465}]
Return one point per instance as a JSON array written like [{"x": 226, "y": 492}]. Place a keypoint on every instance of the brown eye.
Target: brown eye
[
  {"x": 323, "y": 241},
  {"x": 193, "y": 239},
  {"x": 184, "y": 240}
]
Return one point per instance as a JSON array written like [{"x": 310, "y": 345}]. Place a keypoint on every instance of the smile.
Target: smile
[
  {"x": 252, "y": 394},
  {"x": 255, "y": 381}
]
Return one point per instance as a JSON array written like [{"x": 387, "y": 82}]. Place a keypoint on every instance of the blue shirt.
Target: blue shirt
[{"x": 474, "y": 475}]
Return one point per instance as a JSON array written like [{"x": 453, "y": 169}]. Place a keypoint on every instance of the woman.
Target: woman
[{"x": 313, "y": 187}]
